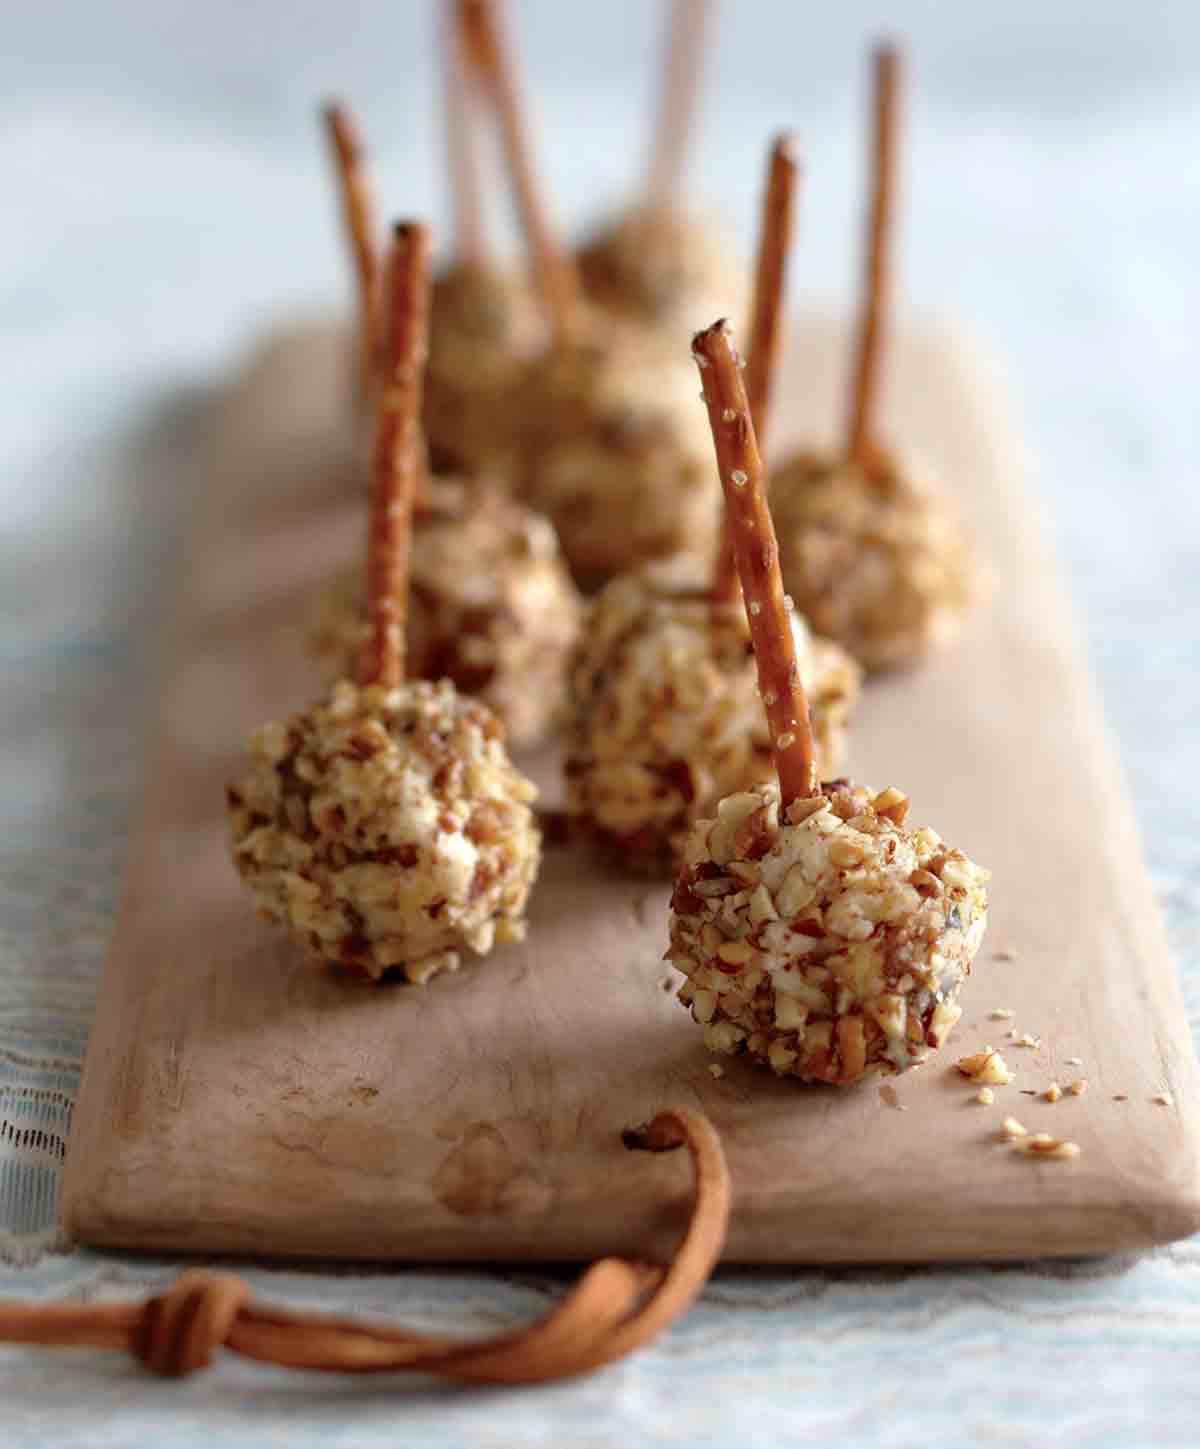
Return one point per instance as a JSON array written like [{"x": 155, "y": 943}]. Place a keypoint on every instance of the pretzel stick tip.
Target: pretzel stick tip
[
  {"x": 688, "y": 24},
  {"x": 876, "y": 295},
  {"x": 770, "y": 284},
  {"x": 483, "y": 40},
  {"x": 398, "y": 456},
  {"x": 757, "y": 554},
  {"x": 358, "y": 214}
]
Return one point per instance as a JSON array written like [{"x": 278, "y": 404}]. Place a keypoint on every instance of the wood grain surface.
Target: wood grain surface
[{"x": 236, "y": 1099}]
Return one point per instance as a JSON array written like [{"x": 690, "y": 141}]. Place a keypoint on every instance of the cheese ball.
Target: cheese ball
[
  {"x": 876, "y": 559},
  {"x": 491, "y": 607},
  {"x": 484, "y": 326},
  {"x": 387, "y": 830},
  {"x": 827, "y": 945},
  {"x": 666, "y": 717},
  {"x": 614, "y": 450},
  {"x": 665, "y": 268}
]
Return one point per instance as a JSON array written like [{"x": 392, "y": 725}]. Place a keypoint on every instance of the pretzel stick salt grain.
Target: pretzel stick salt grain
[
  {"x": 492, "y": 58},
  {"x": 616, "y": 1307},
  {"x": 770, "y": 280},
  {"x": 687, "y": 29},
  {"x": 757, "y": 556},
  {"x": 358, "y": 211},
  {"x": 461, "y": 158},
  {"x": 876, "y": 283},
  {"x": 398, "y": 456}
]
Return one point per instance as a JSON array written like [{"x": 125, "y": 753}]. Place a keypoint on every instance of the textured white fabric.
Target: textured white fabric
[{"x": 164, "y": 197}]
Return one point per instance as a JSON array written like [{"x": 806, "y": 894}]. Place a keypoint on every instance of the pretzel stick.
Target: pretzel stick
[
  {"x": 616, "y": 1307},
  {"x": 460, "y": 151},
  {"x": 687, "y": 31},
  {"x": 757, "y": 555},
  {"x": 876, "y": 283},
  {"x": 358, "y": 210},
  {"x": 770, "y": 283},
  {"x": 398, "y": 460},
  {"x": 555, "y": 272}
]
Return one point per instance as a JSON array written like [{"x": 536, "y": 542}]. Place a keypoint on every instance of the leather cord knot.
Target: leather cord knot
[{"x": 182, "y": 1328}]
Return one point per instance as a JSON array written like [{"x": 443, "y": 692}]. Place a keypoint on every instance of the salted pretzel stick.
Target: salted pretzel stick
[
  {"x": 398, "y": 456},
  {"x": 460, "y": 150},
  {"x": 492, "y": 57},
  {"x": 876, "y": 283},
  {"x": 770, "y": 281},
  {"x": 358, "y": 210},
  {"x": 687, "y": 31},
  {"x": 742, "y": 478}
]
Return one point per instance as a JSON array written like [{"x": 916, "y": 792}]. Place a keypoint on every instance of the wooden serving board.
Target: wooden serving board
[{"x": 236, "y": 1099}]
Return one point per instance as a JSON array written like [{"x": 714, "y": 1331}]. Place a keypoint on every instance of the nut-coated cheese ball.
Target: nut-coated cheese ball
[
  {"x": 876, "y": 559},
  {"x": 830, "y": 944},
  {"x": 614, "y": 450},
  {"x": 387, "y": 829},
  {"x": 491, "y": 607},
  {"x": 666, "y": 719},
  {"x": 485, "y": 325},
  {"x": 662, "y": 267}
]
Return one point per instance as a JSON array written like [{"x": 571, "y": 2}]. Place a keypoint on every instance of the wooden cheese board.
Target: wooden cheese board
[{"x": 236, "y": 1099}]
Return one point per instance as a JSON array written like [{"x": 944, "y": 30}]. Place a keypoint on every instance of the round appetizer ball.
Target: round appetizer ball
[
  {"x": 665, "y": 268},
  {"x": 387, "y": 829},
  {"x": 484, "y": 325},
  {"x": 876, "y": 559},
  {"x": 614, "y": 450},
  {"x": 491, "y": 607},
  {"x": 666, "y": 719},
  {"x": 830, "y": 944}
]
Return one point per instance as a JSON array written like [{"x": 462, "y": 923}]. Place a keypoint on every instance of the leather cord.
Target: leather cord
[{"x": 616, "y": 1307}]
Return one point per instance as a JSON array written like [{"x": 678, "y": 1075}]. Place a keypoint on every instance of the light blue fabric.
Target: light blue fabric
[{"x": 164, "y": 198}]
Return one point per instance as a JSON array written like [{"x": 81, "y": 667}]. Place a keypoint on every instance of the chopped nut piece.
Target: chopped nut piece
[
  {"x": 985, "y": 1096},
  {"x": 1078, "y": 1087},
  {"x": 1120, "y": 1097},
  {"x": 1052, "y": 1093},
  {"x": 1041, "y": 1144},
  {"x": 1073, "y": 1061},
  {"x": 1163, "y": 1099},
  {"x": 1002, "y": 1013},
  {"x": 1025, "y": 1040},
  {"x": 1004, "y": 953},
  {"x": 715, "y": 1069},
  {"x": 1010, "y": 1128},
  {"x": 986, "y": 1066}
]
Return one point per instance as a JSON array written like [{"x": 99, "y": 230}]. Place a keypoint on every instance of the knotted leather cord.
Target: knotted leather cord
[{"x": 615, "y": 1308}]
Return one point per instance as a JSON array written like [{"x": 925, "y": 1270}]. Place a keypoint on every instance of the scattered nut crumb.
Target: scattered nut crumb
[
  {"x": 1026, "y": 1040},
  {"x": 667, "y": 983},
  {"x": 715, "y": 1069},
  {"x": 1041, "y": 1144},
  {"x": 1078, "y": 1087},
  {"x": 1004, "y": 953},
  {"x": 986, "y": 1066},
  {"x": 985, "y": 1096},
  {"x": 1002, "y": 1013},
  {"x": 1052, "y": 1093},
  {"x": 1011, "y": 1128},
  {"x": 1120, "y": 1097},
  {"x": 1163, "y": 1099},
  {"x": 891, "y": 1098},
  {"x": 1028, "y": 1092},
  {"x": 1073, "y": 1061}
]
